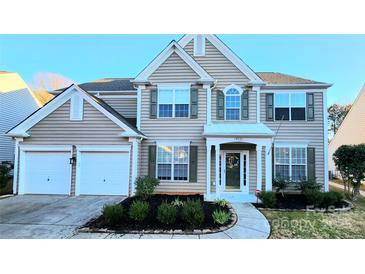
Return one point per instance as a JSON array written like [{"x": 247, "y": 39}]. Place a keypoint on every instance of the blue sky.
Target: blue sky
[{"x": 337, "y": 59}]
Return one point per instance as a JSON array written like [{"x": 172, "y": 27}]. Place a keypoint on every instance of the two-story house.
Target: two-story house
[{"x": 197, "y": 118}]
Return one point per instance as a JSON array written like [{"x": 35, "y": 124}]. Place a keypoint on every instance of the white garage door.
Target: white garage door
[
  {"x": 103, "y": 173},
  {"x": 46, "y": 172}
]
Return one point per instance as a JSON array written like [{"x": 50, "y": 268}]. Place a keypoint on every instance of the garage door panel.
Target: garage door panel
[
  {"x": 104, "y": 173},
  {"x": 46, "y": 173}
]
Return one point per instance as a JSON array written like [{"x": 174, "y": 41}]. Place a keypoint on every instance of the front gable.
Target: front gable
[
  {"x": 59, "y": 103},
  {"x": 165, "y": 62},
  {"x": 174, "y": 69},
  {"x": 221, "y": 62}
]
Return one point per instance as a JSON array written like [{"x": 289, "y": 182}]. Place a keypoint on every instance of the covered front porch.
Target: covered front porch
[{"x": 238, "y": 164}]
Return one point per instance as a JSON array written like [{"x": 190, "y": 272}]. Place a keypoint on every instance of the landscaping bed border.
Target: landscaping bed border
[{"x": 233, "y": 220}]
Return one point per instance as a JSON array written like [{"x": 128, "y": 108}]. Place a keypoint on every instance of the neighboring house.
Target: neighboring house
[
  {"x": 351, "y": 130},
  {"x": 204, "y": 123},
  {"x": 17, "y": 102}
]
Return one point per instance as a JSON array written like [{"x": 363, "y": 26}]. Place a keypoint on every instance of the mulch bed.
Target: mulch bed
[
  {"x": 151, "y": 223},
  {"x": 296, "y": 202}
]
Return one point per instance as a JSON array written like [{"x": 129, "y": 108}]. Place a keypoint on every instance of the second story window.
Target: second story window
[
  {"x": 232, "y": 104},
  {"x": 290, "y": 106},
  {"x": 173, "y": 102}
]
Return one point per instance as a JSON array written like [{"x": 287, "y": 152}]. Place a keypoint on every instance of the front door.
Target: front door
[{"x": 235, "y": 171}]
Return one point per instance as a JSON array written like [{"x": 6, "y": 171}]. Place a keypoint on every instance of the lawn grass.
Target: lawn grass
[{"x": 311, "y": 225}]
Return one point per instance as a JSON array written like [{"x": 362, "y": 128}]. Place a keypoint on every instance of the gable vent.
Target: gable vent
[
  {"x": 77, "y": 107},
  {"x": 199, "y": 45}
]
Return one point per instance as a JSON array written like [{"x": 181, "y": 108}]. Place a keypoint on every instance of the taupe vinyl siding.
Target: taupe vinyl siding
[
  {"x": 125, "y": 105},
  {"x": 310, "y": 132},
  {"x": 174, "y": 70},
  {"x": 94, "y": 129},
  {"x": 225, "y": 73},
  {"x": 56, "y": 128},
  {"x": 171, "y": 129},
  {"x": 218, "y": 66}
]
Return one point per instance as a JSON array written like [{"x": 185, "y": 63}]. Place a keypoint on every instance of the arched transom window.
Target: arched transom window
[{"x": 232, "y": 102}]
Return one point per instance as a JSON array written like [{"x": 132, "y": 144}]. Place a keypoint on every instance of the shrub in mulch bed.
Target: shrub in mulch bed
[
  {"x": 300, "y": 202},
  {"x": 152, "y": 222}
]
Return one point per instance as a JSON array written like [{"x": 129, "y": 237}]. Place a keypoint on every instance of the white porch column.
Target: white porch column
[
  {"x": 268, "y": 167},
  {"x": 209, "y": 104},
  {"x": 217, "y": 152},
  {"x": 135, "y": 162},
  {"x": 209, "y": 148},
  {"x": 259, "y": 166},
  {"x": 16, "y": 164}
]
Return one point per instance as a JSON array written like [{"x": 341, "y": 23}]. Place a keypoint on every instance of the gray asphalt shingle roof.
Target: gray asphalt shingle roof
[{"x": 281, "y": 78}]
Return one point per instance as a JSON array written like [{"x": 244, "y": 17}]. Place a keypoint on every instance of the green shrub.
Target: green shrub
[
  {"x": 177, "y": 202},
  {"x": 5, "y": 176},
  {"x": 313, "y": 197},
  {"x": 138, "y": 210},
  {"x": 268, "y": 198},
  {"x": 222, "y": 202},
  {"x": 113, "y": 213},
  {"x": 331, "y": 198},
  {"x": 308, "y": 184},
  {"x": 280, "y": 185},
  {"x": 221, "y": 217},
  {"x": 145, "y": 186},
  {"x": 166, "y": 213},
  {"x": 192, "y": 212}
]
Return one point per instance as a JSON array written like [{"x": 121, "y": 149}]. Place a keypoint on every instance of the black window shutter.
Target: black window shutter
[
  {"x": 311, "y": 163},
  {"x": 153, "y": 104},
  {"x": 244, "y": 105},
  {"x": 269, "y": 107},
  {"x": 152, "y": 161},
  {"x": 310, "y": 106},
  {"x": 193, "y": 164},
  {"x": 194, "y": 103},
  {"x": 220, "y": 105}
]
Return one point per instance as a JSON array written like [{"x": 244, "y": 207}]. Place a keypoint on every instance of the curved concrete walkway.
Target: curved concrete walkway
[{"x": 251, "y": 224}]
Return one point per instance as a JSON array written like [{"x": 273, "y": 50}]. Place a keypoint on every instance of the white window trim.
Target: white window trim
[
  {"x": 240, "y": 90},
  {"x": 290, "y": 146},
  {"x": 290, "y": 106},
  {"x": 173, "y": 87},
  {"x": 173, "y": 145}
]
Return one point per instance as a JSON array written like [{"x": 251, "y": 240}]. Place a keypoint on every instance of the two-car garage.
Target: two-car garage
[{"x": 96, "y": 170}]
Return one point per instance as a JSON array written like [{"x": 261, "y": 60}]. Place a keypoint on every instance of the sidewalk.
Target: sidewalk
[{"x": 362, "y": 193}]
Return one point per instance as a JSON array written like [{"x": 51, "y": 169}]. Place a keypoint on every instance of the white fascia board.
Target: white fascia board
[
  {"x": 132, "y": 135},
  {"x": 228, "y": 53},
  {"x": 173, "y": 143},
  {"x": 171, "y": 48},
  {"x": 307, "y": 90},
  {"x": 324, "y": 85},
  {"x": 45, "y": 147},
  {"x": 225, "y": 129},
  {"x": 126, "y": 148},
  {"x": 21, "y": 129}
]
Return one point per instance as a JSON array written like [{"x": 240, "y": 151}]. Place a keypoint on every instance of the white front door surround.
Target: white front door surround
[{"x": 243, "y": 195}]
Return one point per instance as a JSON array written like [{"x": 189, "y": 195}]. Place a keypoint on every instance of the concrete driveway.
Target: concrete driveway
[{"x": 48, "y": 216}]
